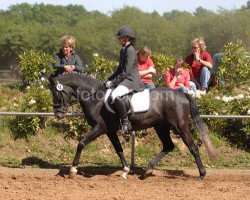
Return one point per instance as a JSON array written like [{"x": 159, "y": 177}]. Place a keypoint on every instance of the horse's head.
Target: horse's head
[{"x": 61, "y": 94}]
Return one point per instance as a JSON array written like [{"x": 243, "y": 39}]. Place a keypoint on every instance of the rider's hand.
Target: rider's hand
[{"x": 108, "y": 84}]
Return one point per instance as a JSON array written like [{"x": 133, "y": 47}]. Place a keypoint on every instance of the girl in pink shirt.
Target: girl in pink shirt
[{"x": 177, "y": 77}]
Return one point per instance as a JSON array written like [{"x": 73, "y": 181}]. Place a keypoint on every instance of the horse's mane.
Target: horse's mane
[{"x": 78, "y": 77}]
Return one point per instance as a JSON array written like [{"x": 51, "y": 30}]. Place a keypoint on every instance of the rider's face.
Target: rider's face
[{"x": 121, "y": 40}]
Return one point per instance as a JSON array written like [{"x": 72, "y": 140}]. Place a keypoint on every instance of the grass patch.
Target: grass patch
[{"x": 52, "y": 149}]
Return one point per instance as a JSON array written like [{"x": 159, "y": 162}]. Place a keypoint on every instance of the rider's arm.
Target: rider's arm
[{"x": 130, "y": 62}]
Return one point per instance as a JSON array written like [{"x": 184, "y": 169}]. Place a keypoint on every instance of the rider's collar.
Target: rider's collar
[{"x": 126, "y": 44}]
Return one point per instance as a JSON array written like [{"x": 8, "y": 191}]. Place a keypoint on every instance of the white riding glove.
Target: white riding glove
[{"x": 108, "y": 84}]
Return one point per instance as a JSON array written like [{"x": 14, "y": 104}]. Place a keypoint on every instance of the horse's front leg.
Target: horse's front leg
[
  {"x": 113, "y": 137},
  {"x": 92, "y": 135}
]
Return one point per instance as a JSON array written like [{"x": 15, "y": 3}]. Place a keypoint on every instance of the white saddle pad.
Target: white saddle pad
[{"x": 139, "y": 101}]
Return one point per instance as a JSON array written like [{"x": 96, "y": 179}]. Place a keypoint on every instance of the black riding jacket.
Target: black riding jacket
[{"x": 127, "y": 73}]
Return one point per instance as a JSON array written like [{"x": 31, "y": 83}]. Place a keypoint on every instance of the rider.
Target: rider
[{"x": 126, "y": 77}]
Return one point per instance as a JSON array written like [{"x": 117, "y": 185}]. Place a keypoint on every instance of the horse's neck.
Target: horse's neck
[
  {"x": 86, "y": 86},
  {"x": 89, "y": 84},
  {"x": 84, "y": 82}
]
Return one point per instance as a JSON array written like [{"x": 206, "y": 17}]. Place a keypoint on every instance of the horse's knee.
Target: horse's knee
[
  {"x": 80, "y": 146},
  {"x": 168, "y": 147},
  {"x": 171, "y": 147}
]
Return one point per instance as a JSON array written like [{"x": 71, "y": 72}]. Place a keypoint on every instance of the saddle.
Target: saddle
[{"x": 134, "y": 102}]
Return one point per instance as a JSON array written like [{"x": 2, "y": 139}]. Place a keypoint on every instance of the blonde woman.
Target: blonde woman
[
  {"x": 200, "y": 62},
  {"x": 67, "y": 59}
]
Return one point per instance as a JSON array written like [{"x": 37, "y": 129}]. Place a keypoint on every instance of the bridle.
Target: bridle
[{"x": 60, "y": 90}]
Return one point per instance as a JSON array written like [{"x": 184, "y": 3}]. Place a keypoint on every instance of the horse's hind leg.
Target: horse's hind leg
[
  {"x": 96, "y": 132},
  {"x": 189, "y": 141},
  {"x": 163, "y": 133}
]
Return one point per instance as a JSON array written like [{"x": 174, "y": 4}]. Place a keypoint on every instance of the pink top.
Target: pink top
[
  {"x": 183, "y": 80},
  {"x": 144, "y": 66}
]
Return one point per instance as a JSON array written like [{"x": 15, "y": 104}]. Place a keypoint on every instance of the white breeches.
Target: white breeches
[{"x": 119, "y": 91}]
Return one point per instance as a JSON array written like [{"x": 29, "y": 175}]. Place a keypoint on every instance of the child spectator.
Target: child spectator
[
  {"x": 146, "y": 67},
  {"x": 177, "y": 77}
]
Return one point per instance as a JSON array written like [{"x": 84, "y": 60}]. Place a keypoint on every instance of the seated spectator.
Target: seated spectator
[
  {"x": 146, "y": 67},
  {"x": 200, "y": 63},
  {"x": 216, "y": 63},
  {"x": 67, "y": 59},
  {"x": 177, "y": 77}
]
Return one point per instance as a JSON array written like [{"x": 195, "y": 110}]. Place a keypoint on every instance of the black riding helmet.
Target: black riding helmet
[{"x": 125, "y": 31}]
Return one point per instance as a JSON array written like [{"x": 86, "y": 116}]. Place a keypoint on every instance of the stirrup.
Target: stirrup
[{"x": 125, "y": 127}]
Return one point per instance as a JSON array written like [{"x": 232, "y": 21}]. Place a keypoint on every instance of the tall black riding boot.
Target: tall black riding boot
[{"x": 122, "y": 112}]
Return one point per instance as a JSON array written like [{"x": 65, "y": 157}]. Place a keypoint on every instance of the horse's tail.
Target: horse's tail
[{"x": 201, "y": 128}]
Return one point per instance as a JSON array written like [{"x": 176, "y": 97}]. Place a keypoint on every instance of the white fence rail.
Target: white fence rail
[
  {"x": 38, "y": 113},
  {"x": 82, "y": 114}
]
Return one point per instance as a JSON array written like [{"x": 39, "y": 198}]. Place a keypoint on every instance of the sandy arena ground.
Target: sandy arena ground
[{"x": 106, "y": 183}]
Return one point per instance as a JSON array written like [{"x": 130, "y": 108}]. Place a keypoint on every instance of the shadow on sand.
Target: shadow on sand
[{"x": 90, "y": 171}]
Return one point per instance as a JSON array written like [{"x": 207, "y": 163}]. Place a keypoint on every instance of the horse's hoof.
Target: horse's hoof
[
  {"x": 124, "y": 175},
  {"x": 147, "y": 173},
  {"x": 202, "y": 175},
  {"x": 72, "y": 175},
  {"x": 72, "y": 172},
  {"x": 125, "y": 172},
  {"x": 143, "y": 176}
]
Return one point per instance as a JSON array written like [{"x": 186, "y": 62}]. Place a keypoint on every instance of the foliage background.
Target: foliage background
[{"x": 39, "y": 27}]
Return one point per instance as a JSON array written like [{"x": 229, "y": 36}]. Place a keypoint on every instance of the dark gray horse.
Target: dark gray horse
[{"x": 168, "y": 109}]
